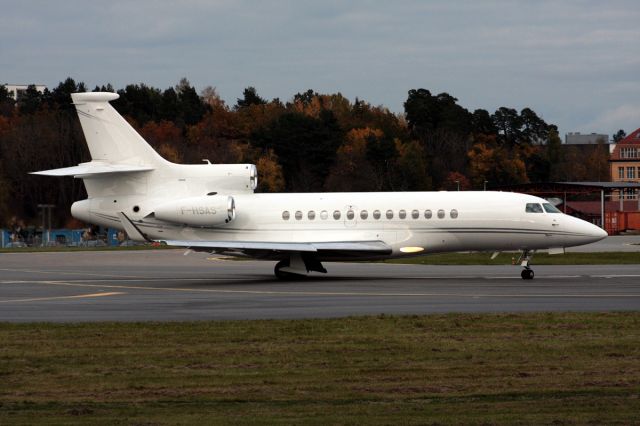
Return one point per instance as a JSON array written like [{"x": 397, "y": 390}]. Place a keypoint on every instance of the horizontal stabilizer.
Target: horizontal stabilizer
[
  {"x": 359, "y": 246},
  {"x": 93, "y": 168}
]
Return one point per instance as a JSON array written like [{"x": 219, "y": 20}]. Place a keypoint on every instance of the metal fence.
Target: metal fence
[{"x": 60, "y": 238}]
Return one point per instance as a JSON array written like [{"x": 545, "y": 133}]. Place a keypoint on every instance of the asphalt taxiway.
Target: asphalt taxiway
[{"x": 166, "y": 285}]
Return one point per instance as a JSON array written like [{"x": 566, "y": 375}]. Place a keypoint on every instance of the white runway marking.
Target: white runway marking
[
  {"x": 78, "y": 296},
  {"x": 617, "y": 276},
  {"x": 84, "y": 274}
]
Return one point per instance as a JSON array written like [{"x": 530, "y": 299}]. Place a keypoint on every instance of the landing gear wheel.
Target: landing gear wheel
[{"x": 527, "y": 274}]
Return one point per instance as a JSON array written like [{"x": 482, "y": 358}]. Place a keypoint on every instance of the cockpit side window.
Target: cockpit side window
[
  {"x": 550, "y": 208},
  {"x": 534, "y": 208}
]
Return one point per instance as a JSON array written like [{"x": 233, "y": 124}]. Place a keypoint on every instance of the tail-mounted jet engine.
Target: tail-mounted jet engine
[{"x": 206, "y": 211}]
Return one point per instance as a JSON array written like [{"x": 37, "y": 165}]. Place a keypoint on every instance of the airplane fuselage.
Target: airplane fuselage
[{"x": 409, "y": 222}]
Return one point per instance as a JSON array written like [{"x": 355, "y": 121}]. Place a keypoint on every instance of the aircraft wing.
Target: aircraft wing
[
  {"x": 93, "y": 168},
  {"x": 370, "y": 247},
  {"x": 268, "y": 249}
]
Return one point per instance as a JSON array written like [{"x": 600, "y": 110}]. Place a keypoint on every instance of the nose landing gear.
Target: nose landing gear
[{"x": 525, "y": 259}]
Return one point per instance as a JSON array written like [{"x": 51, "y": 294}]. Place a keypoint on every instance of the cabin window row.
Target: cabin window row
[{"x": 364, "y": 214}]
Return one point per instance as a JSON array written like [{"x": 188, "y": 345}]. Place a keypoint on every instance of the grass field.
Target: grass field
[{"x": 560, "y": 368}]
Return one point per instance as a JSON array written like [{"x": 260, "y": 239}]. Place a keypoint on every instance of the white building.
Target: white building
[
  {"x": 577, "y": 138},
  {"x": 17, "y": 90}
]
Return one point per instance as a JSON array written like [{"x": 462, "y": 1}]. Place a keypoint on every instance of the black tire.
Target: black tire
[{"x": 527, "y": 274}]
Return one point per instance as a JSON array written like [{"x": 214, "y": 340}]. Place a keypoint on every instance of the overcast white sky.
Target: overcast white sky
[{"x": 576, "y": 63}]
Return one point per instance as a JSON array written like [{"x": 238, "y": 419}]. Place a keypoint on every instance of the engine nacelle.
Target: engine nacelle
[{"x": 210, "y": 210}]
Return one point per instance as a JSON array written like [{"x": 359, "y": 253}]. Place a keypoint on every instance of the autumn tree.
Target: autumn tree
[
  {"x": 46, "y": 139},
  {"x": 6, "y": 102},
  {"x": 496, "y": 163},
  {"x": 166, "y": 138},
  {"x": 352, "y": 170},
  {"x": 30, "y": 100},
  {"x": 60, "y": 96},
  {"x": 411, "y": 170},
  {"x": 211, "y": 97},
  {"x": 220, "y": 137},
  {"x": 455, "y": 181},
  {"x": 270, "y": 176},
  {"x": 382, "y": 153},
  {"x": 306, "y": 147},
  {"x": 507, "y": 122},
  {"x": 249, "y": 97},
  {"x": 443, "y": 128},
  {"x": 190, "y": 106},
  {"x": 597, "y": 162},
  {"x": 481, "y": 123},
  {"x": 619, "y": 135},
  {"x": 138, "y": 101}
]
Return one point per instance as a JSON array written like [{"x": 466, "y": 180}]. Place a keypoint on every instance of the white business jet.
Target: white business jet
[{"x": 212, "y": 207}]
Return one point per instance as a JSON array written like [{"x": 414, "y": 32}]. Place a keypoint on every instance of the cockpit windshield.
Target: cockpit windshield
[
  {"x": 534, "y": 208},
  {"x": 550, "y": 208}
]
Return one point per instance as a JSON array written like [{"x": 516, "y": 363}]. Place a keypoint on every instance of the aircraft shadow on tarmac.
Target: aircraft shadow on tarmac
[{"x": 315, "y": 279}]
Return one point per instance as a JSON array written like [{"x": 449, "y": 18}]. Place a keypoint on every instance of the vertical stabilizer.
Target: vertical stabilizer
[{"x": 109, "y": 137}]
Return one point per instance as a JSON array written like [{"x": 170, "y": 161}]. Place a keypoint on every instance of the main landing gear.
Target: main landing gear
[
  {"x": 298, "y": 265},
  {"x": 525, "y": 259}
]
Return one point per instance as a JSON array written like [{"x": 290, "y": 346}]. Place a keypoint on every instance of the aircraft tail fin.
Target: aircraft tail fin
[{"x": 109, "y": 137}]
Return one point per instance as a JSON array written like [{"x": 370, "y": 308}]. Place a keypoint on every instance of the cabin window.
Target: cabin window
[
  {"x": 550, "y": 208},
  {"x": 298, "y": 215},
  {"x": 363, "y": 214},
  {"x": 311, "y": 215},
  {"x": 402, "y": 214},
  {"x": 350, "y": 214},
  {"x": 440, "y": 214},
  {"x": 454, "y": 214},
  {"x": 428, "y": 214},
  {"x": 415, "y": 214},
  {"x": 533, "y": 208},
  {"x": 324, "y": 215},
  {"x": 336, "y": 214},
  {"x": 376, "y": 214},
  {"x": 389, "y": 214},
  {"x": 285, "y": 215}
]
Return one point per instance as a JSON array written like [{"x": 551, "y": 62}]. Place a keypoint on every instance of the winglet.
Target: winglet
[{"x": 132, "y": 230}]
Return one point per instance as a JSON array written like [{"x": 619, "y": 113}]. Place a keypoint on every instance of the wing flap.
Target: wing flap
[
  {"x": 242, "y": 245},
  {"x": 345, "y": 246}
]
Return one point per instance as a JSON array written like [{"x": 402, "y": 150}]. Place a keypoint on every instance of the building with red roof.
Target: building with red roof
[{"x": 625, "y": 161}]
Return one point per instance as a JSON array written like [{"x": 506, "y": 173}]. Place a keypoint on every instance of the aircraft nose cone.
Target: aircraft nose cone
[
  {"x": 585, "y": 232},
  {"x": 595, "y": 233},
  {"x": 599, "y": 233}
]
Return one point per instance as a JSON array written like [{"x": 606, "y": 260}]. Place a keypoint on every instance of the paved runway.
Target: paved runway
[
  {"x": 166, "y": 285},
  {"x": 626, "y": 243}
]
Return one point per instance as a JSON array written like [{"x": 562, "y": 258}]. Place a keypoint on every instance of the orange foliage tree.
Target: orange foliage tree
[
  {"x": 496, "y": 164},
  {"x": 270, "y": 177},
  {"x": 352, "y": 170},
  {"x": 166, "y": 138}
]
